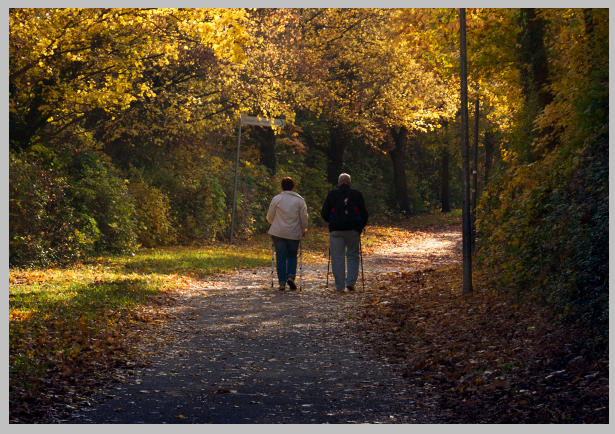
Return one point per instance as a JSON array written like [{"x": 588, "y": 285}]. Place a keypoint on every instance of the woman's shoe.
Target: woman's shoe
[{"x": 282, "y": 287}]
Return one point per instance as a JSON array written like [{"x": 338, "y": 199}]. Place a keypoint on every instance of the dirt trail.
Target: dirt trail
[{"x": 244, "y": 353}]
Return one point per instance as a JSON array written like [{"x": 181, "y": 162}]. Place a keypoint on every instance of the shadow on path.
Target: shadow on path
[{"x": 244, "y": 353}]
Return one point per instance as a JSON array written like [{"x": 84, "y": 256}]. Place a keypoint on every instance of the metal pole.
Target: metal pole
[
  {"x": 300, "y": 267},
  {"x": 272, "y": 265},
  {"x": 236, "y": 176},
  {"x": 475, "y": 175},
  {"x": 328, "y": 262},
  {"x": 361, "y": 253},
  {"x": 465, "y": 157}
]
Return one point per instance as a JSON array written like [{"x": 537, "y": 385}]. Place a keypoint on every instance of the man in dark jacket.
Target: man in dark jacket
[{"x": 344, "y": 210}]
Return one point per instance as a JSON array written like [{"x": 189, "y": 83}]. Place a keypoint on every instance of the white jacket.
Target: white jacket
[{"x": 287, "y": 215}]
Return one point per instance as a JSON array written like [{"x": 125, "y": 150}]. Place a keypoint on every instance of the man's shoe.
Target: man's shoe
[
  {"x": 291, "y": 283},
  {"x": 350, "y": 287},
  {"x": 282, "y": 287}
]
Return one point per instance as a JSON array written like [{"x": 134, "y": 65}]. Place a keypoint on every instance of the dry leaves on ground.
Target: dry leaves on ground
[
  {"x": 487, "y": 359},
  {"x": 96, "y": 358}
]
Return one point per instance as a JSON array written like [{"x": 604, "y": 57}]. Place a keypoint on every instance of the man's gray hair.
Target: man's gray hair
[{"x": 344, "y": 179}]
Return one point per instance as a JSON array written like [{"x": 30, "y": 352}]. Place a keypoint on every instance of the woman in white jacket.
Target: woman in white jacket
[{"x": 288, "y": 218}]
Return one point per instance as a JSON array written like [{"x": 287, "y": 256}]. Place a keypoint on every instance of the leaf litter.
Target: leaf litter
[
  {"x": 486, "y": 357},
  {"x": 414, "y": 350}
]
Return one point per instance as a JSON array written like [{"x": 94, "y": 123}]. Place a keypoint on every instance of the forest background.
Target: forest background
[{"x": 123, "y": 131}]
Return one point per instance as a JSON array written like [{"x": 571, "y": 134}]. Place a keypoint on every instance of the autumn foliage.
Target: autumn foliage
[
  {"x": 123, "y": 129},
  {"x": 132, "y": 115},
  {"x": 543, "y": 223}
]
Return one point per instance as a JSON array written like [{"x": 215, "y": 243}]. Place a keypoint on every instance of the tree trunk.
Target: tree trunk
[
  {"x": 489, "y": 147},
  {"x": 267, "y": 147},
  {"x": 398, "y": 155},
  {"x": 337, "y": 146},
  {"x": 446, "y": 206},
  {"x": 533, "y": 56},
  {"x": 534, "y": 66}
]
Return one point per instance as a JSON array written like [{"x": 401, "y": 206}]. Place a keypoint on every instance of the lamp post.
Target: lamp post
[{"x": 465, "y": 157}]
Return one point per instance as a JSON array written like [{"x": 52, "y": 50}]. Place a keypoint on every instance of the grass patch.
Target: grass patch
[
  {"x": 55, "y": 316},
  {"x": 196, "y": 262},
  {"x": 59, "y": 316}
]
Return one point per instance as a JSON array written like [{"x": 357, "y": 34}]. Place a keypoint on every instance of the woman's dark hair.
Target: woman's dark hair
[{"x": 287, "y": 183}]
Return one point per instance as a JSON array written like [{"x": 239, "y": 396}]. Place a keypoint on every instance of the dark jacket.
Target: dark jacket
[{"x": 356, "y": 197}]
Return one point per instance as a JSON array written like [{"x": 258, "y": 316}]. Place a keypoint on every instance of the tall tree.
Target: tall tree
[
  {"x": 339, "y": 140},
  {"x": 85, "y": 60},
  {"x": 534, "y": 69},
  {"x": 398, "y": 155}
]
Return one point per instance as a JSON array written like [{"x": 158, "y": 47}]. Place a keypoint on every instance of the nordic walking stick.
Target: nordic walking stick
[
  {"x": 300, "y": 267},
  {"x": 361, "y": 254},
  {"x": 272, "y": 265},
  {"x": 328, "y": 262}
]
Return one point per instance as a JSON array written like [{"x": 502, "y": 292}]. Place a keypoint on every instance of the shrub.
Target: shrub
[
  {"x": 312, "y": 185},
  {"x": 543, "y": 228},
  {"x": 152, "y": 212},
  {"x": 255, "y": 189},
  {"x": 192, "y": 183},
  {"x": 97, "y": 191},
  {"x": 44, "y": 226}
]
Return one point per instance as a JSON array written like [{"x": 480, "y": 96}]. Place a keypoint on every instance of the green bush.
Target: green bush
[
  {"x": 255, "y": 188},
  {"x": 44, "y": 226},
  {"x": 543, "y": 228},
  {"x": 192, "y": 183},
  {"x": 152, "y": 212},
  {"x": 312, "y": 185},
  {"x": 97, "y": 191},
  {"x": 372, "y": 175},
  {"x": 65, "y": 206}
]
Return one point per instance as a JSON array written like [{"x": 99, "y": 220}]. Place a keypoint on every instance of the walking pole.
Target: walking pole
[
  {"x": 300, "y": 267},
  {"x": 271, "y": 265},
  {"x": 328, "y": 262},
  {"x": 361, "y": 254}
]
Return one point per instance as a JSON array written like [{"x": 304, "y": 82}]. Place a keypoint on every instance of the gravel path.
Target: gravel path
[{"x": 244, "y": 353}]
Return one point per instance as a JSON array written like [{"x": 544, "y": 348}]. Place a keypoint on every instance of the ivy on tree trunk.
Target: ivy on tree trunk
[
  {"x": 489, "y": 147},
  {"x": 534, "y": 67},
  {"x": 446, "y": 206}
]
